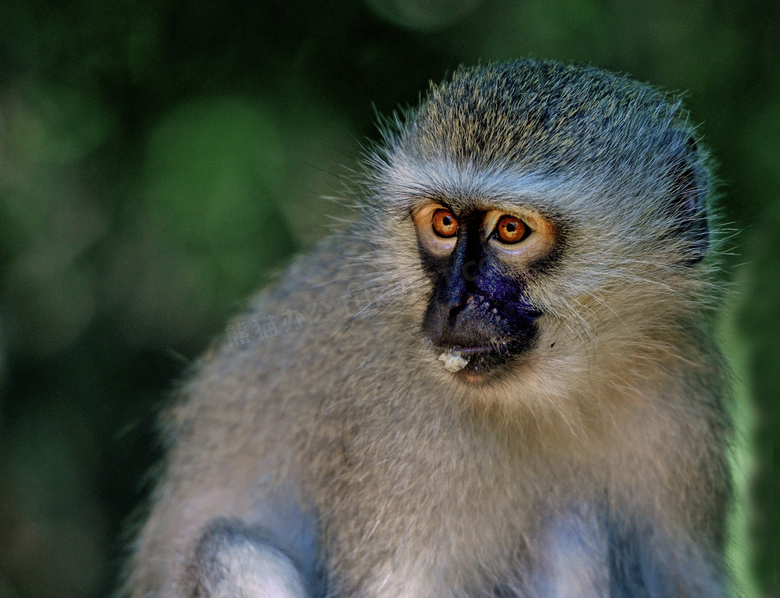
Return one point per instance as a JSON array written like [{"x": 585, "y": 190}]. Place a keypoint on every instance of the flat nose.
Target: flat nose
[{"x": 457, "y": 285}]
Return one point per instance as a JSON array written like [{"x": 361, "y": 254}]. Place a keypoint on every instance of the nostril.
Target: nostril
[
  {"x": 456, "y": 309},
  {"x": 453, "y": 315},
  {"x": 452, "y": 297}
]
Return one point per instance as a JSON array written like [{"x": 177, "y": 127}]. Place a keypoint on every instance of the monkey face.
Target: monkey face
[
  {"x": 502, "y": 174},
  {"x": 480, "y": 262}
]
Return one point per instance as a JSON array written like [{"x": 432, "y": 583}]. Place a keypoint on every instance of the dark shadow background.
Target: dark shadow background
[{"x": 160, "y": 160}]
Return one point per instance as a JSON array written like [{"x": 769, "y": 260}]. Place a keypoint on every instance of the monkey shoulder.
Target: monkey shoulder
[{"x": 285, "y": 357}]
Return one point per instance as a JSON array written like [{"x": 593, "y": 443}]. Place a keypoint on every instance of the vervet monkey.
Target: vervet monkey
[{"x": 500, "y": 380}]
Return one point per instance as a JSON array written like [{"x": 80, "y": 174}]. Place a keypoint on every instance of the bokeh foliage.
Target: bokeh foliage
[{"x": 160, "y": 160}]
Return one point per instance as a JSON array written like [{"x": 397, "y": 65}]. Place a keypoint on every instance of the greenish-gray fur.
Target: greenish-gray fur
[{"x": 618, "y": 122}]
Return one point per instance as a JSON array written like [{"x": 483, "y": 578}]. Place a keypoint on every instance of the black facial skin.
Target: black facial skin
[{"x": 477, "y": 307}]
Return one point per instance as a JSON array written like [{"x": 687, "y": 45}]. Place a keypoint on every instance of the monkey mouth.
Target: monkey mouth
[
  {"x": 474, "y": 361},
  {"x": 472, "y": 351}
]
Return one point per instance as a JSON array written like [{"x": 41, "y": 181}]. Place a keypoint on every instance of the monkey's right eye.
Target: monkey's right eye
[
  {"x": 437, "y": 229},
  {"x": 444, "y": 223}
]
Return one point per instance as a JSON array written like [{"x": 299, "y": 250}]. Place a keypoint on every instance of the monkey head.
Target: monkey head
[{"x": 542, "y": 204}]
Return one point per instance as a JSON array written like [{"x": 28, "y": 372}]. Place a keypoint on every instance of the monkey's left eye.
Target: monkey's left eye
[{"x": 511, "y": 229}]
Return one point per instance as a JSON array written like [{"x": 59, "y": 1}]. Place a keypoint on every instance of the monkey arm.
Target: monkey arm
[
  {"x": 592, "y": 553},
  {"x": 222, "y": 536},
  {"x": 232, "y": 507},
  {"x": 217, "y": 546},
  {"x": 230, "y": 525}
]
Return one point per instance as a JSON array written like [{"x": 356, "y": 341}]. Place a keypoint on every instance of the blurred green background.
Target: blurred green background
[{"x": 160, "y": 160}]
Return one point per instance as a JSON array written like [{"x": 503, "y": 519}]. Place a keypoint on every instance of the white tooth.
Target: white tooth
[{"x": 453, "y": 361}]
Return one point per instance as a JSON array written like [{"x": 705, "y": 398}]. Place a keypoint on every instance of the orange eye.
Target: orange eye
[
  {"x": 444, "y": 223},
  {"x": 511, "y": 229}
]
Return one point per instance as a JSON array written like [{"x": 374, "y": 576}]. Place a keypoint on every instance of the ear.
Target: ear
[{"x": 689, "y": 190}]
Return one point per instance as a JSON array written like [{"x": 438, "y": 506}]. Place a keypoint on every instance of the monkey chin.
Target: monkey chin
[{"x": 474, "y": 378}]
